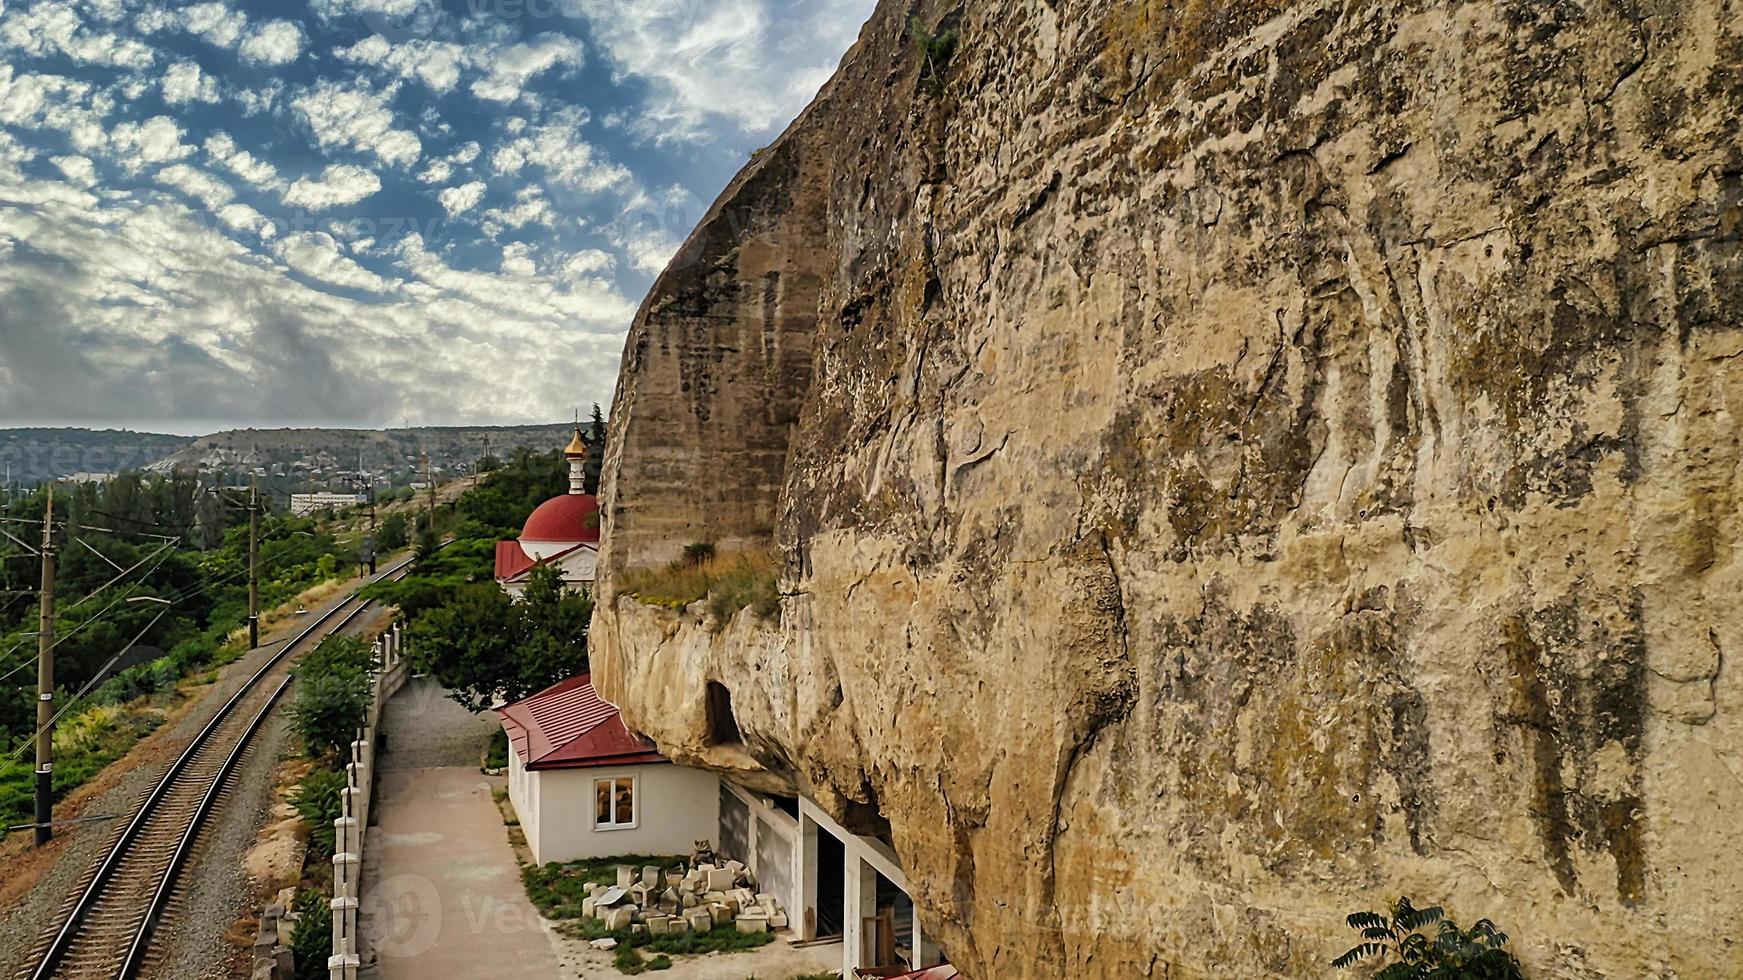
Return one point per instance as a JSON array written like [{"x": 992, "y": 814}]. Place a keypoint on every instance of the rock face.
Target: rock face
[{"x": 1234, "y": 463}]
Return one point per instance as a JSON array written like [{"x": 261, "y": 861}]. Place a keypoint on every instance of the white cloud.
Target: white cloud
[
  {"x": 436, "y": 64},
  {"x": 77, "y": 169},
  {"x": 318, "y": 256},
  {"x": 338, "y": 185},
  {"x": 511, "y": 67},
  {"x": 437, "y": 172},
  {"x": 530, "y": 208},
  {"x": 560, "y": 150},
  {"x": 733, "y": 61},
  {"x": 459, "y": 200},
  {"x": 184, "y": 82},
  {"x": 255, "y": 102},
  {"x": 211, "y": 192},
  {"x": 279, "y": 42},
  {"x": 586, "y": 263},
  {"x": 220, "y": 147},
  {"x": 215, "y": 23},
  {"x": 51, "y": 28},
  {"x": 517, "y": 260},
  {"x": 139, "y": 144},
  {"x": 359, "y": 118}
]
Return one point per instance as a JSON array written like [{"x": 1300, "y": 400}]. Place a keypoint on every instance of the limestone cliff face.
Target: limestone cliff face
[{"x": 1234, "y": 463}]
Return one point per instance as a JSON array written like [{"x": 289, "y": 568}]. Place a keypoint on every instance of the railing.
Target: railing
[{"x": 350, "y": 831}]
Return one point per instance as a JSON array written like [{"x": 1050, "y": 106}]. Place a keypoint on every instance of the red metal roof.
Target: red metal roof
[
  {"x": 511, "y": 560},
  {"x": 569, "y": 726},
  {"x": 570, "y": 517},
  {"x": 517, "y": 568}
]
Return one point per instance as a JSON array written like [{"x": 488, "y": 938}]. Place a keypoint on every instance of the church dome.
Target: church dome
[{"x": 567, "y": 520}]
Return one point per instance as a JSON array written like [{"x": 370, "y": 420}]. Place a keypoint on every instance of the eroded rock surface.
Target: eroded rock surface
[{"x": 1234, "y": 463}]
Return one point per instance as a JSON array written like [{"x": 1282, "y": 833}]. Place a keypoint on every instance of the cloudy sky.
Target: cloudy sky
[{"x": 281, "y": 212}]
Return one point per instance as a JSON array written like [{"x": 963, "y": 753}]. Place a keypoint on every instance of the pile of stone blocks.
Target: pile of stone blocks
[{"x": 666, "y": 902}]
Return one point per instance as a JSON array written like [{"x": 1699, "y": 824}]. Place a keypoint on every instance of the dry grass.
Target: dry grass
[{"x": 731, "y": 582}]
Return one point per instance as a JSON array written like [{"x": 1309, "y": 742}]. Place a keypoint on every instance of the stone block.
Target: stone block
[
  {"x": 625, "y": 876},
  {"x": 588, "y": 906},
  {"x": 752, "y": 924},
  {"x": 678, "y": 926},
  {"x": 777, "y": 920},
  {"x": 700, "y": 919},
  {"x": 675, "y": 879},
  {"x": 669, "y": 895},
  {"x": 722, "y": 914},
  {"x": 638, "y": 928},
  {"x": 659, "y": 925},
  {"x": 618, "y": 918},
  {"x": 735, "y": 866},
  {"x": 690, "y": 900},
  {"x": 607, "y": 944},
  {"x": 651, "y": 876},
  {"x": 720, "y": 880}
]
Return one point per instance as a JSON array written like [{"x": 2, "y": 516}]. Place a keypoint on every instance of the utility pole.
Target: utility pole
[
  {"x": 429, "y": 485},
  {"x": 45, "y": 685},
  {"x": 253, "y": 562}
]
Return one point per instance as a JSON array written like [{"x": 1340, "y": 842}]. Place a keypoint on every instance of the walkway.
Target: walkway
[{"x": 442, "y": 893}]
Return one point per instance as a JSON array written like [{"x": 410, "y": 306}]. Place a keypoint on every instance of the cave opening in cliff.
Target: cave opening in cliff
[{"x": 722, "y": 723}]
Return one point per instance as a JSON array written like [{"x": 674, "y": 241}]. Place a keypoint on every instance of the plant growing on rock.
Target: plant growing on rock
[
  {"x": 1450, "y": 953},
  {"x": 935, "y": 49}
]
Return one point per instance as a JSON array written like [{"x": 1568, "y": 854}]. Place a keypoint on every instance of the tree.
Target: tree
[
  {"x": 332, "y": 695},
  {"x": 394, "y": 533},
  {"x": 1450, "y": 954},
  {"x": 481, "y": 644},
  {"x": 595, "y": 449}
]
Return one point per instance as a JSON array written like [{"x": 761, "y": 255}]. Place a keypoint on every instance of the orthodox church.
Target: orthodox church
[{"x": 563, "y": 531}]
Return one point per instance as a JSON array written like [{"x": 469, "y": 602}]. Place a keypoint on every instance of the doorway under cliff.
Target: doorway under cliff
[{"x": 722, "y": 723}]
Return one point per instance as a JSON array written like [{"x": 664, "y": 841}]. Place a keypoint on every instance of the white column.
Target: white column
[
  {"x": 859, "y": 903},
  {"x": 805, "y": 873},
  {"x": 925, "y": 950}
]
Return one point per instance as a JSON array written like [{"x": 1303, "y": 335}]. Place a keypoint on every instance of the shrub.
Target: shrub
[
  {"x": 312, "y": 937},
  {"x": 1450, "y": 954},
  {"x": 332, "y": 695},
  {"x": 935, "y": 52},
  {"x": 730, "y": 583},
  {"x": 319, "y": 802},
  {"x": 698, "y": 553}
]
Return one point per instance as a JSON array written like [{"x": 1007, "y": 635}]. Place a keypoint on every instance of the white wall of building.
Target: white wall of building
[{"x": 675, "y": 808}]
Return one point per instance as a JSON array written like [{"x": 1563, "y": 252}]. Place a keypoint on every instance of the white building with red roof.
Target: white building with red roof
[
  {"x": 585, "y": 786},
  {"x": 563, "y": 531}
]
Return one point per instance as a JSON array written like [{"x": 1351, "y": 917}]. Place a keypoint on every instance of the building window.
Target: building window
[{"x": 614, "y": 803}]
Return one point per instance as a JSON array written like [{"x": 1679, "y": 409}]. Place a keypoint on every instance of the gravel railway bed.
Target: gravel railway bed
[{"x": 210, "y": 891}]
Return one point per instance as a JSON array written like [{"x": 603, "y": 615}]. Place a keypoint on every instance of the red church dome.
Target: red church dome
[{"x": 570, "y": 518}]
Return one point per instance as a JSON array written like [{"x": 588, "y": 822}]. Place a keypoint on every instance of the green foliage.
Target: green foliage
[
  {"x": 508, "y": 496},
  {"x": 1450, "y": 953},
  {"x": 557, "y": 889},
  {"x": 699, "y": 552},
  {"x": 729, "y": 583},
  {"x": 480, "y": 643},
  {"x": 394, "y": 532},
  {"x": 312, "y": 937},
  {"x": 319, "y": 802},
  {"x": 332, "y": 696},
  {"x": 935, "y": 50},
  {"x": 628, "y": 961},
  {"x": 496, "y": 756}
]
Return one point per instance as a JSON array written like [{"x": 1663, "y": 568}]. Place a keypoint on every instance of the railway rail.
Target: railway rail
[{"x": 108, "y": 927}]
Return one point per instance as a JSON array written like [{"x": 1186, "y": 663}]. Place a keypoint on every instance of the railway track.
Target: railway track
[{"x": 106, "y": 929}]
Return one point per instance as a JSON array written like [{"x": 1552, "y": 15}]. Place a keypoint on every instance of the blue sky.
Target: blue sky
[{"x": 243, "y": 212}]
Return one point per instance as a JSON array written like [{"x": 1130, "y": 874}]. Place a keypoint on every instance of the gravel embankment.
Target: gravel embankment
[{"x": 215, "y": 891}]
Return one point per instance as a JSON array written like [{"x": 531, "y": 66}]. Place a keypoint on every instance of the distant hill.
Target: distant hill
[
  {"x": 288, "y": 459},
  {"x": 35, "y": 455}
]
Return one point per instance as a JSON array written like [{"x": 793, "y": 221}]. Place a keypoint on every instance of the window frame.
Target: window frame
[{"x": 634, "y": 802}]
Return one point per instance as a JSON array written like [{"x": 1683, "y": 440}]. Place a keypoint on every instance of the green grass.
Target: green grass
[
  {"x": 746, "y": 580},
  {"x": 557, "y": 889},
  {"x": 85, "y": 744},
  {"x": 721, "y": 939}
]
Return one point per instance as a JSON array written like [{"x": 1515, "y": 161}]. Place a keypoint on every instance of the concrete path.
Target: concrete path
[{"x": 443, "y": 898}]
